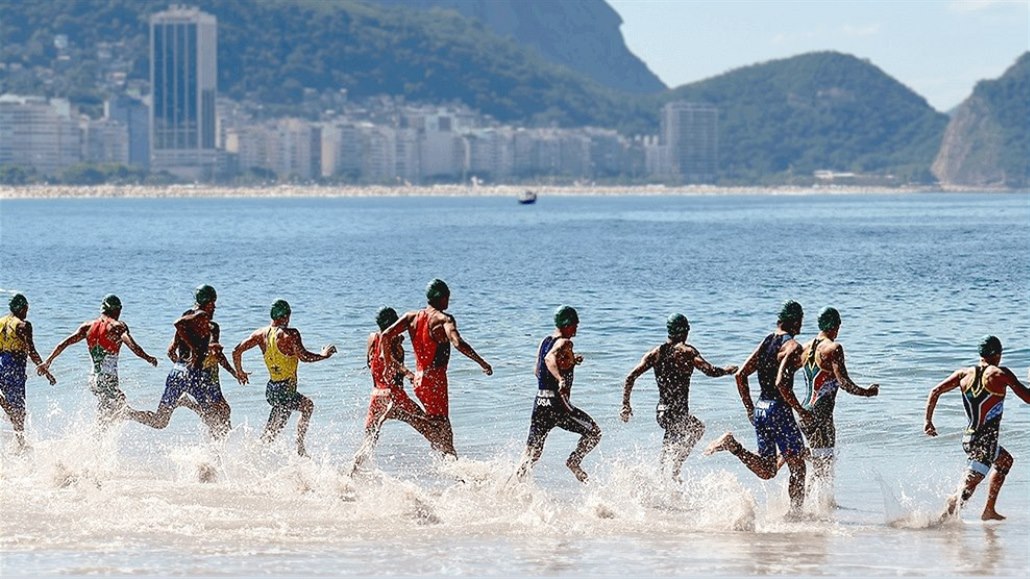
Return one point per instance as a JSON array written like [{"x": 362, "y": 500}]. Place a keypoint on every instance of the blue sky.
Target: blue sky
[{"x": 938, "y": 48}]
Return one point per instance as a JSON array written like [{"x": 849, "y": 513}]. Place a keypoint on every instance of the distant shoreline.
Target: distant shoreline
[{"x": 299, "y": 191}]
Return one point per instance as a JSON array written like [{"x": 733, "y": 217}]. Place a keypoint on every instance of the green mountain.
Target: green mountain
[
  {"x": 823, "y": 110},
  {"x": 273, "y": 50},
  {"x": 988, "y": 139},
  {"x": 583, "y": 36}
]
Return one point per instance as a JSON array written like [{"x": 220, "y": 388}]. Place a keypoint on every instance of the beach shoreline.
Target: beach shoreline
[{"x": 452, "y": 190}]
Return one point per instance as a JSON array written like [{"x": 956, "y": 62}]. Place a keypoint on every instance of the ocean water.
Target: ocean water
[{"x": 918, "y": 278}]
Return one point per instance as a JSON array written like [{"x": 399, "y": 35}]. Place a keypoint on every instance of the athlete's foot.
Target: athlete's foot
[
  {"x": 301, "y": 450},
  {"x": 950, "y": 510},
  {"x": 580, "y": 474},
  {"x": 991, "y": 515},
  {"x": 724, "y": 442}
]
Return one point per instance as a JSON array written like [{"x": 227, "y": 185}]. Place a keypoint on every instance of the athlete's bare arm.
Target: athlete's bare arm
[
  {"x": 646, "y": 363},
  {"x": 559, "y": 358},
  {"x": 950, "y": 383},
  {"x": 709, "y": 370},
  {"x": 77, "y": 336},
  {"x": 789, "y": 364},
  {"x": 135, "y": 348},
  {"x": 24, "y": 331},
  {"x": 402, "y": 324},
  {"x": 749, "y": 367},
  {"x": 292, "y": 344},
  {"x": 840, "y": 371},
  {"x": 451, "y": 330},
  {"x": 255, "y": 339},
  {"x": 1017, "y": 387}
]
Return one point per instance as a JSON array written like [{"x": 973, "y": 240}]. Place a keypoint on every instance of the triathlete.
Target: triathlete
[
  {"x": 16, "y": 348},
  {"x": 776, "y": 360},
  {"x": 104, "y": 337},
  {"x": 433, "y": 332},
  {"x": 983, "y": 389},
  {"x": 673, "y": 363},
  {"x": 283, "y": 349},
  {"x": 555, "y": 368}
]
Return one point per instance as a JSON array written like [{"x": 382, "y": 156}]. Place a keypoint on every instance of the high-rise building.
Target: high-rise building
[
  {"x": 136, "y": 117},
  {"x": 38, "y": 133},
  {"x": 183, "y": 81},
  {"x": 690, "y": 132}
]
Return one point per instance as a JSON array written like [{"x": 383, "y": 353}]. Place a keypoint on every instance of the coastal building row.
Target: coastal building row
[{"x": 180, "y": 128}]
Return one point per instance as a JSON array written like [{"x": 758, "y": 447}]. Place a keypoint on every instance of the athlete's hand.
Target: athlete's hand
[
  {"x": 577, "y": 360},
  {"x": 488, "y": 369},
  {"x": 151, "y": 360},
  {"x": 50, "y": 377},
  {"x": 930, "y": 429},
  {"x": 730, "y": 370},
  {"x": 874, "y": 390},
  {"x": 242, "y": 377},
  {"x": 43, "y": 369},
  {"x": 329, "y": 350},
  {"x": 626, "y": 412}
]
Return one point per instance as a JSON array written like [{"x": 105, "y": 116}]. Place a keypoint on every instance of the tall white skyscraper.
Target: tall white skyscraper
[
  {"x": 183, "y": 81},
  {"x": 690, "y": 133}
]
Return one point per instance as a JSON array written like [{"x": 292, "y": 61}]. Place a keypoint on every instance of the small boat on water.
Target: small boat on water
[{"x": 526, "y": 197}]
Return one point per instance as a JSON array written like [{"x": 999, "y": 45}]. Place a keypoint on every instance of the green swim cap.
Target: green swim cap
[
  {"x": 110, "y": 304},
  {"x": 791, "y": 312},
  {"x": 437, "y": 289},
  {"x": 280, "y": 309},
  {"x": 677, "y": 324},
  {"x": 385, "y": 317},
  {"x": 565, "y": 316},
  {"x": 205, "y": 294},
  {"x": 17, "y": 303},
  {"x": 990, "y": 346},
  {"x": 829, "y": 319}
]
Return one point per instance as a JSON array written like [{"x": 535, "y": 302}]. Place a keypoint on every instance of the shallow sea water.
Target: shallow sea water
[{"x": 918, "y": 278}]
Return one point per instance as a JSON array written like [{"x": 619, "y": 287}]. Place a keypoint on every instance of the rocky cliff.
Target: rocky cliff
[
  {"x": 582, "y": 35},
  {"x": 987, "y": 142}
]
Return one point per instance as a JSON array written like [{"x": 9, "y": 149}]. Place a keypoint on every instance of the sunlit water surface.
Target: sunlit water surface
[{"x": 917, "y": 278}]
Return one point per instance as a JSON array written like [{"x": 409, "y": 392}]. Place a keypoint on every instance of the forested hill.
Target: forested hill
[
  {"x": 815, "y": 111},
  {"x": 272, "y": 50},
  {"x": 988, "y": 139},
  {"x": 583, "y": 35}
]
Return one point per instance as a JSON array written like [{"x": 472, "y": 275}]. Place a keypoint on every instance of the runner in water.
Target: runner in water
[
  {"x": 555, "y": 368},
  {"x": 195, "y": 337},
  {"x": 825, "y": 373},
  {"x": 16, "y": 348},
  {"x": 433, "y": 331},
  {"x": 983, "y": 389},
  {"x": 673, "y": 363},
  {"x": 776, "y": 360},
  {"x": 389, "y": 400},
  {"x": 104, "y": 337},
  {"x": 283, "y": 350}
]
